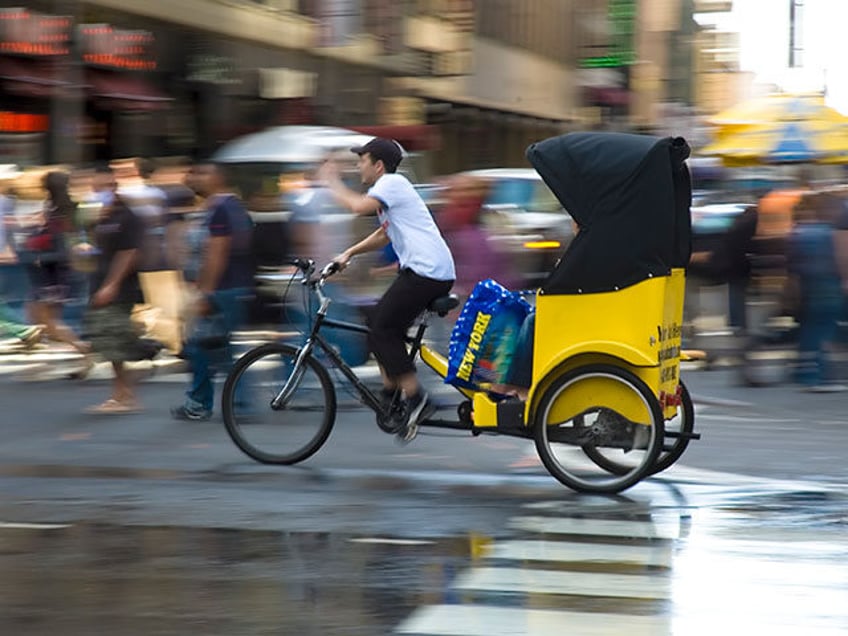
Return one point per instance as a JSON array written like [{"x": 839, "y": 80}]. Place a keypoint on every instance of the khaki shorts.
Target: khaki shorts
[{"x": 111, "y": 332}]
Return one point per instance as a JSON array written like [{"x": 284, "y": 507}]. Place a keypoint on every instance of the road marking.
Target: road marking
[
  {"x": 572, "y": 552},
  {"x": 387, "y": 541},
  {"x": 11, "y": 525},
  {"x": 603, "y": 584},
  {"x": 596, "y": 527},
  {"x": 74, "y": 437},
  {"x": 750, "y": 419},
  {"x": 486, "y": 620}
]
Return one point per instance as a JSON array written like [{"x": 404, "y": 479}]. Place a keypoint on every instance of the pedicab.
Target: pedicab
[{"x": 606, "y": 406}]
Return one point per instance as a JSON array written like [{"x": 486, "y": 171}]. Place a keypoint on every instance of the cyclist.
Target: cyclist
[{"x": 425, "y": 266}]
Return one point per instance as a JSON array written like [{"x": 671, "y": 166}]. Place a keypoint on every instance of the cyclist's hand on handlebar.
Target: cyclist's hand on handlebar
[{"x": 341, "y": 261}]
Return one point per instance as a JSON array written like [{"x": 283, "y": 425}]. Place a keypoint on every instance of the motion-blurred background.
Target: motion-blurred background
[{"x": 270, "y": 87}]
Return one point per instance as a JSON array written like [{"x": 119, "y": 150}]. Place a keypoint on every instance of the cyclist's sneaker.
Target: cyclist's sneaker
[
  {"x": 190, "y": 415},
  {"x": 417, "y": 409}
]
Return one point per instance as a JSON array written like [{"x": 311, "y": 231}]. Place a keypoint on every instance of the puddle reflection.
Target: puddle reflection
[
  {"x": 93, "y": 578},
  {"x": 744, "y": 563}
]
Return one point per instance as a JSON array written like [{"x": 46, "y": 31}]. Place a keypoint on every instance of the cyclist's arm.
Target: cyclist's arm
[
  {"x": 357, "y": 203},
  {"x": 374, "y": 241}
]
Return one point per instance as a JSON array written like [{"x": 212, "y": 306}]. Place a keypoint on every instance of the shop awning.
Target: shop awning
[
  {"x": 416, "y": 137},
  {"x": 30, "y": 78},
  {"x": 123, "y": 91}
]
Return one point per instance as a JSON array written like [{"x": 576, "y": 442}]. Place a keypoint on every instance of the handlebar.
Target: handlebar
[
  {"x": 305, "y": 265},
  {"x": 307, "y": 268}
]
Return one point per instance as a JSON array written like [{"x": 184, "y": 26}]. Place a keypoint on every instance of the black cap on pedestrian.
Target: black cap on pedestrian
[{"x": 386, "y": 150}]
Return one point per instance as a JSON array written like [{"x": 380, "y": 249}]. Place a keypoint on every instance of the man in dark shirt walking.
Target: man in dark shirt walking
[
  {"x": 115, "y": 289},
  {"x": 221, "y": 271}
]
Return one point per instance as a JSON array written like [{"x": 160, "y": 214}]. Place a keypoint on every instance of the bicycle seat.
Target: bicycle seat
[{"x": 443, "y": 304}]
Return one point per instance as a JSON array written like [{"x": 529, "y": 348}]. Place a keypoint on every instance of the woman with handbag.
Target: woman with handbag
[{"x": 49, "y": 267}]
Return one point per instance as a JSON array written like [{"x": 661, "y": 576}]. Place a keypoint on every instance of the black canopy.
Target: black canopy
[{"x": 630, "y": 195}]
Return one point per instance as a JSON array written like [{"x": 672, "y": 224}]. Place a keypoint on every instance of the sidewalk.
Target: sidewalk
[
  {"x": 53, "y": 361},
  {"x": 56, "y": 362},
  {"x": 714, "y": 386}
]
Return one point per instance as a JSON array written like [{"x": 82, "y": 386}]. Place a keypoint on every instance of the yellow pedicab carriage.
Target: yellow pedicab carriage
[{"x": 607, "y": 407}]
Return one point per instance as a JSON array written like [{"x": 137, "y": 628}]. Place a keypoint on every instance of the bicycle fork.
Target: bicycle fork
[{"x": 282, "y": 398}]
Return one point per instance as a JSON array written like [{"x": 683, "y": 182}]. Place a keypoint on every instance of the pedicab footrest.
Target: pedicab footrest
[
  {"x": 511, "y": 414},
  {"x": 506, "y": 416}
]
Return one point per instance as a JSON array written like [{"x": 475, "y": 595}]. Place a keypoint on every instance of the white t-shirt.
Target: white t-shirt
[{"x": 411, "y": 229}]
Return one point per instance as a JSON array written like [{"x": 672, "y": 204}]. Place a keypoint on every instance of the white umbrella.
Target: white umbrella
[{"x": 290, "y": 144}]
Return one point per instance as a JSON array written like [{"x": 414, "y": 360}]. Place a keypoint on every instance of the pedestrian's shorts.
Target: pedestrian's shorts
[{"x": 111, "y": 332}]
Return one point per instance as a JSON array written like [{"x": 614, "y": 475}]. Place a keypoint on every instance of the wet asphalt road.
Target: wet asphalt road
[{"x": 140, "y": 525}]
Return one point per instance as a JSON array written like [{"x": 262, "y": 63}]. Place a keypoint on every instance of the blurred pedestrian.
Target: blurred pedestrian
[
  {"x": 221, "y": 273},
  {"x": 29, "y": 335},
  {"x": 308, "y": 200},
  {"x": 115, "y": 289},
  {"x": 460, "y": 222},
  {"x": 49, "y": 261},
  {"x": 841, "y": 238},
  {"x": 8, "y": 223},
  {"x": 149, "y": 203},
  {"x": 182, "y": 204},
  {"x": 729, "y": 263},
  {"x": 812, "y": 263}
]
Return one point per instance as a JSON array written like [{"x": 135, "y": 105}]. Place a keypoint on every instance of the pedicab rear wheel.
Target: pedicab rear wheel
[
  {"x": 676, "y": 433},
  {"x": 634, "y": 446}
]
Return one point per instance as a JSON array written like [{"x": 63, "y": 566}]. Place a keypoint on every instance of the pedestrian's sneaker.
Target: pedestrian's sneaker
[
  {"x": 417, "y": 409},
  {"x": 32, "y": 336},
  {"x": 190, "y": 415}
]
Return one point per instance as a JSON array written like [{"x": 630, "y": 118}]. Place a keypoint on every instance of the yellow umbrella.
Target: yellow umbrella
[
  {"x": 769, "y": 108},
  {"x": 780, "y": 129}
]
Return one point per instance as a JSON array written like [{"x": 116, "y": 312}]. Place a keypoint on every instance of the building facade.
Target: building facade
[{"x": 478, "y": 79}]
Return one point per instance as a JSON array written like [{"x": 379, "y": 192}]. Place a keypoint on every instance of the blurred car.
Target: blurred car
[{"x": 527, "y": 219}]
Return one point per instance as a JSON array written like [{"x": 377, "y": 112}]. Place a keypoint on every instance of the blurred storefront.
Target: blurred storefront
[
  {"x": 34, "y": 48},
  {"x": 493, "y": 77},
  {"x": 96, "y": 82},
  {"x": 476, "y": 79}
]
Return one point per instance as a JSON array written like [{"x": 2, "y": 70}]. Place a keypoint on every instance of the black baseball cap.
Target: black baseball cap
[{"x": 381, "y": 149}]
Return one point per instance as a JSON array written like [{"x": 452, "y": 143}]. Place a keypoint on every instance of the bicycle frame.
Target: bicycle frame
[
  {"x": 430, "y": 357},
  {"x": 316, "y": 340}
]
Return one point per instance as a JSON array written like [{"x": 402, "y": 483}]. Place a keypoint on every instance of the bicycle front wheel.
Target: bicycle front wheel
[{"x": 274, "y": 412}]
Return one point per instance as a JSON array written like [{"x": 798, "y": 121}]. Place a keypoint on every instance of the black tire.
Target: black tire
[
  {"x": 673, "y": 445},
  {"x": 286, "y": 435},
  {"x": 601, "y": 429}
]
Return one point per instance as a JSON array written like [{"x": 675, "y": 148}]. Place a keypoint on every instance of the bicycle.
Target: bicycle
[{"x": 300, "y": 383}]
